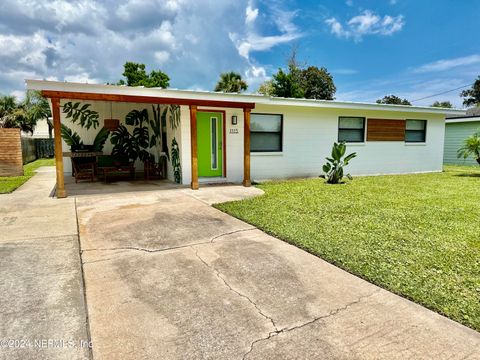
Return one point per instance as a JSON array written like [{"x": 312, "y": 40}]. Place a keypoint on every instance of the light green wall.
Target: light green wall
[{"x": 455, "y": 134}]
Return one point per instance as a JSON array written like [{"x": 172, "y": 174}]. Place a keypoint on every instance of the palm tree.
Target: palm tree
[
  {"x": 23, "y": 115},
  {"x": 7, "y": 104},
  {"x": 471, "y": 147},
  {"x": 231, "y": 82},
  {"x": 38, "y": 108}
]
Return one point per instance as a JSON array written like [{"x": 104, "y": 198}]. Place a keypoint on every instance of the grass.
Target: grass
[
  {"x": 415, "y": 235},
  {"x": 9, "y": 184}
]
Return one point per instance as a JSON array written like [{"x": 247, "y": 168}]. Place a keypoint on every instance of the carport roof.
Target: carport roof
[{"x": 208, "y": 98}]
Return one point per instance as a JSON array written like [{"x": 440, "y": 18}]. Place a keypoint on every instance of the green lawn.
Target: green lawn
[
  {"x": 415, "y": 235},
  {"x": 9, "y": 184}
]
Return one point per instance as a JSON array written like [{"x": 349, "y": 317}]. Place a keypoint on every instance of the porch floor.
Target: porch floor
[{"x": 120, "y": 186}]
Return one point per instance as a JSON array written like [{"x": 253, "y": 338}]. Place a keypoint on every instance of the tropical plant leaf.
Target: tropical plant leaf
[
  {"x": 70, "y": 137},
  {"x": 124, "y": 143},
  {"x": 333, "y": 169},
  {"x": 133, "y": 118},
  {"x": 174, "y": 116},
  {"x": 86, "y": 117},
  {"x": 177, "y": 169},
  {"x": 100, "y": 139},
  {"x": 140, "y": 134}
]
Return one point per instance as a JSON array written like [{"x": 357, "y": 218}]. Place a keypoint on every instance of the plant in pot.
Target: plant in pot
[{"x": 334, "y": 168}]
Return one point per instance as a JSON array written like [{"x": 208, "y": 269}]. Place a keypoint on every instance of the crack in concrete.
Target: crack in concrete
[
  {"x": 170, "y": 248},
  {"x": 217, "y": 273},
  {"x": 84, "y": 285},
  {"x": 232, "y": 232},
  {"x": 288, "y": 329}
]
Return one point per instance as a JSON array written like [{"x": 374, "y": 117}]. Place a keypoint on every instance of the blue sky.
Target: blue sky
[{"x": 409, "y": 48}]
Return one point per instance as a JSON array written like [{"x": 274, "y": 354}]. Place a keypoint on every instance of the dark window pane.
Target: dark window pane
[
  {"x": 265, "y": 141},
  {"x": 416, "y": 124},
  {"x": 350, "y": 135},
  {"x": 415, "y": 136},
  {"x": 263, "y": 122},
  {"x": 350, "y": 123}
]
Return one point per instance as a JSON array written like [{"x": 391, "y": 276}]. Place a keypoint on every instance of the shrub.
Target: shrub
[{"x": 333, "y": 169}]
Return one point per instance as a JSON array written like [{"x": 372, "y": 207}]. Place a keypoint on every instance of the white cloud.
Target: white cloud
[
  {"x": 344, "y": 71},
  {"x": 255, "y": 75},
  {"x": 89, "y": 40},
  {"x": 447, "y": 64},
  {"x": 162, "y": 56},
  {"x": 251, "y": 40},
  {"x": 367, "y": 23},
  {"x": 250, "y": 14}
]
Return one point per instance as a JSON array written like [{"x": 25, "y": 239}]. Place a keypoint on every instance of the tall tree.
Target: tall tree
[
  {"x": 266, "y": 88},
  {"x": 393, "y": 100},
  {"x": 38, "y": 108},
  {"x": 318, "y": 83},
  {"x": 231, "y": 82},
  {"x": 135, "y": 75},
  {"x": 310, "y": 83},
  {"x": 15, "y": 115},
  {"x": 471, "y": 97},
  {"x": 288, "y": 84},
  {"x": 24, "y": 115},
  {"x": 442, "y": 104}
]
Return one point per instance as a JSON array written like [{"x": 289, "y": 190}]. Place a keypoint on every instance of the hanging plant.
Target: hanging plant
[{"x": 86, "y": 117}]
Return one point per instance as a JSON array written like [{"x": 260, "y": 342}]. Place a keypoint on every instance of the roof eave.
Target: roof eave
[{"x": 256, "y": 98}]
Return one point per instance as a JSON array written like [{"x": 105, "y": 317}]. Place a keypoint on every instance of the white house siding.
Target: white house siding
[{"x": 308, "y": 136}]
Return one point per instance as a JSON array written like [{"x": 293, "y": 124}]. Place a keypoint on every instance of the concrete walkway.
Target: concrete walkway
[
  {"x": 169, "y": 277},
  {"x": 42, "y": 310}
]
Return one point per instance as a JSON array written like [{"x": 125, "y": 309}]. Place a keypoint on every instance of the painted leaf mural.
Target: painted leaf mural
[
  {"x": 177, "y": 168},
  {"x": 81, "y": 113}
]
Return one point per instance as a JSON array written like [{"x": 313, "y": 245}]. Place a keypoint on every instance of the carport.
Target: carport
[{"x": 114, "y": 94}]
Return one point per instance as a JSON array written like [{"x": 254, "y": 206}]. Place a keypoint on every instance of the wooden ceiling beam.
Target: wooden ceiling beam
[{"x": 144, "y": 99}]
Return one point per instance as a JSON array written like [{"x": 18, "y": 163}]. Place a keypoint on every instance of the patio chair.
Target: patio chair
[
  {"x": 115, "y": 165},
  {"x": 83, "y": 170}
]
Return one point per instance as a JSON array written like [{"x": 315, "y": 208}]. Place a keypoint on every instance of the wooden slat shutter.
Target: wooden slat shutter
[{"x": 385, "y": 130}]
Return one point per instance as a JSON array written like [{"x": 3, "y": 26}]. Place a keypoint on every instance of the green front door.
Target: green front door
[{"x": 210, "y": 144}]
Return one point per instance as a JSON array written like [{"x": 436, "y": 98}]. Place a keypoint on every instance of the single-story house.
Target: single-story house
[
  {"x": 237, "y": 138},
  {"x": 457, "y": 129}
]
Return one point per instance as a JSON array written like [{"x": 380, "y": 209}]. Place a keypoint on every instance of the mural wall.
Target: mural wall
[{"x": 140, "y": 131}]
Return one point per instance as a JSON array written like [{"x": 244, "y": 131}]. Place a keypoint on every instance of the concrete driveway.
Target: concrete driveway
[
  {"x": 166, "y": 276},
  {"x": 169, "y": 277}
]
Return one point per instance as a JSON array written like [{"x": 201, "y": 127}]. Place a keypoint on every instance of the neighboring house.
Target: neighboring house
[
  {"x": 240, "y": 137},
  {"x": 40, "y": 131},
  {"x": 457, "y": 129}
]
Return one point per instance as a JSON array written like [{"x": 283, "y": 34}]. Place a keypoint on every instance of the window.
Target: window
[
  {"x": 351, "y": 129},
  {"x": 214, "y": 144},
  {"x": 266, "y": 132},
  {"x": 415, "y": 130}
]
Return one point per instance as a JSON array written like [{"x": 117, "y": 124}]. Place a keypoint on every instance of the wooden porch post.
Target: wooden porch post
[
  {"x": 193, "y": 142},
  {"x": 246, "y": 147},
  {"x": 61, "y": 193}
]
